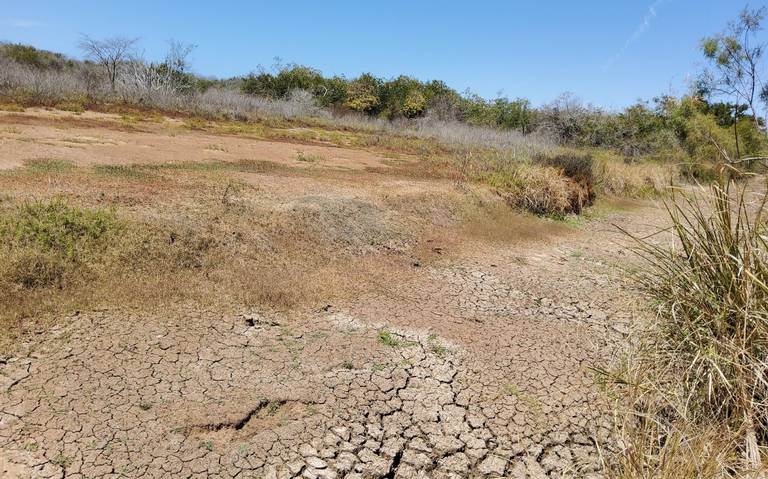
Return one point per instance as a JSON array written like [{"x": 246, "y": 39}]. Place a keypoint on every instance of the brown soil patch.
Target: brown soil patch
[
  {"x": 102, "y": 139},
  {"x": 313, "y": 320}
]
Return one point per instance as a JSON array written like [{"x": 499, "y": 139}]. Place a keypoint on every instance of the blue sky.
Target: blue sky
[{"x": 608, "y": 52}]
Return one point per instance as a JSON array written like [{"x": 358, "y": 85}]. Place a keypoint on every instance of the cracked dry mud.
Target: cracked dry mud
[{"x": 481, "y": 368}]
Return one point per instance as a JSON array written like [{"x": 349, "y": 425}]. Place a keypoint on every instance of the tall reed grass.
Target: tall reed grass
[{"x": 692, "y": 395}]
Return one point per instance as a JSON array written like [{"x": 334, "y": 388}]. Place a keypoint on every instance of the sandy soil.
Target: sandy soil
[
  {"x": 477, "y": 367},
  {"x": 95, "y": 138}
]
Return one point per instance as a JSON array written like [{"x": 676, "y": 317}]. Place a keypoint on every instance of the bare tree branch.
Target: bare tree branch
[{"x": 111, "y": 53}]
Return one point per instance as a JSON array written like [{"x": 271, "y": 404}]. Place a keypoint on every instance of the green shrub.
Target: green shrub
[
  {"x": 43, "y": 242},
  {"x": 54, "y": 225},
  {"x": 363, "y": 94},
  {"x": 28, "y": 55}
]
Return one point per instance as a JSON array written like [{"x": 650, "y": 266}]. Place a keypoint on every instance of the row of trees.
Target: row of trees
[
  {"x": 400, "y": 97},
  {"x": 726, "y": 94}
]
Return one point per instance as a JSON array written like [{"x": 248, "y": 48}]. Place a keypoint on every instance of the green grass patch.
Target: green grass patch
[
  {"x": 244, "y": 166},
  {"x": 388, "y": 339},
  {"x": 49, "y": 165},
  {"x": 47, "y": 242}
]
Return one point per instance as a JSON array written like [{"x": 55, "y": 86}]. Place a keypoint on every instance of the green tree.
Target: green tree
[
  {"x": 402, "y": 97},
  {"x": 736, "y": 58},
  {"x": 363, "y": 94}
]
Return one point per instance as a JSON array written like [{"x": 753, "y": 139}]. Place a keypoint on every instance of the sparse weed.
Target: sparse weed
[
  {"x": 272, "y": 408},
  {"x": 62, "y": 461},
  {"x": 308, "y": 157},
  {"x": 388, "y": 339},
  {"x": 435, "y": 345},
  {"x": 216, "y": 147},
  {"x": 376, "y": 367},
  {"x": 48, "y": 165}
]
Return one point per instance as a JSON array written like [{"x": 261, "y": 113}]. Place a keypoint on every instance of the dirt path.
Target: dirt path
[{"x": 479, "y": 368}]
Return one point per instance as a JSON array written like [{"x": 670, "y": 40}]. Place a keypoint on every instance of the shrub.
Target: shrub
[
  {"x": 44, "y": 242},
  {"x": 540, "y": 190},
  {"x": 28, "y": 55},
  {"x": 363, "y": 93}
]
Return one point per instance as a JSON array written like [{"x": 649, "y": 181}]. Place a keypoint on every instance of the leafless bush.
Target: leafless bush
[
  {"x": 41, "y": 85},
  {"x": 464, "y": 134},
  {"x": 300, "y": 104},
  {"x": 453, "y": 132}
]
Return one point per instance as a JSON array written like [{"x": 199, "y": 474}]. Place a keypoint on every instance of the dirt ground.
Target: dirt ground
[
  {"x": 93, "y": 138},
  {"x": 480, "y": 365}
]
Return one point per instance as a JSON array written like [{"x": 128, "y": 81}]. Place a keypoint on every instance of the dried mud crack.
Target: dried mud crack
[{"x": 475, "y": 369}]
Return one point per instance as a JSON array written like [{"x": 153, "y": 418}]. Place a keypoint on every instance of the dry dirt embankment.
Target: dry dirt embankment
[{"x": 409, "y": 329}]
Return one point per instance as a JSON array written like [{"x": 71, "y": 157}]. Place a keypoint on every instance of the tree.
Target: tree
[
  {"x": 147, "y": 79},
  {"x": 111, "y": 54},
  {"x": 175, "y": 69},
  {"x": 363, "y": 93},
  {"x": 736, "y": 57}
]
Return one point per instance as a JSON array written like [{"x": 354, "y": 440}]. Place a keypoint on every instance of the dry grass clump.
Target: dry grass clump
[
  {"x": 551, "y": 184},
  {"x": 539, "y": 189},
  {"x": 614, "y": 176},
  {"x": 697, "y": 384},
  {"x": 347, "y": 225}
]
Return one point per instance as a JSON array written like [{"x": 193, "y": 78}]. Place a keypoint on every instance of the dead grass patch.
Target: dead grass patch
[{"x": 614, "y": 176}]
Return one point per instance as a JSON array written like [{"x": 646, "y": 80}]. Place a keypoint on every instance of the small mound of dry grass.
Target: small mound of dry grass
[{"x": 542, "y": 190}]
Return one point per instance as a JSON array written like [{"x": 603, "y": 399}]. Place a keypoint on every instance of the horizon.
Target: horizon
[{"x": 645, "y": 48}]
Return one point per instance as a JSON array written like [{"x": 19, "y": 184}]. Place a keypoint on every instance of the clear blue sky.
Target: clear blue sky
[{"x": 608, "y": 52}]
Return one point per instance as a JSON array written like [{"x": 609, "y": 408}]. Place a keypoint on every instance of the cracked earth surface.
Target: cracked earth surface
[{"x": 481, "y": 368}]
